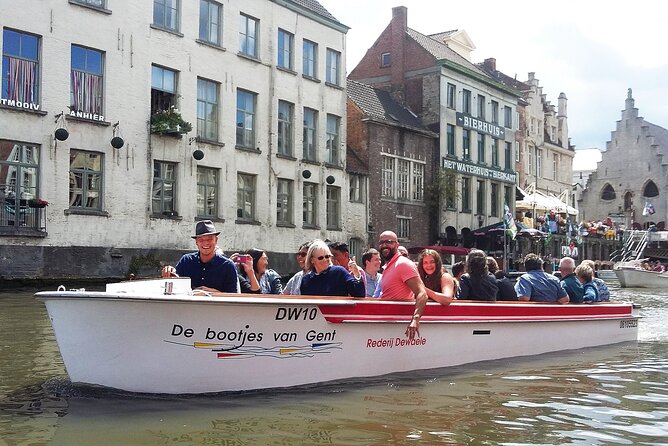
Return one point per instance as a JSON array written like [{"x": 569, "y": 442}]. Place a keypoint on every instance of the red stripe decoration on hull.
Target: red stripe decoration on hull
[{"x": 385, "y": 311}]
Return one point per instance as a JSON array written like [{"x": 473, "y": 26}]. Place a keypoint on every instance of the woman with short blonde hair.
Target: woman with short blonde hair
[{"x": 324, "y": 279}]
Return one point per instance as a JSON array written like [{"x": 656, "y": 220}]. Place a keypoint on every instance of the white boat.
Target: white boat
[
  {"x": 136, "y": 338},
  {"x": 631, "y": 276}
]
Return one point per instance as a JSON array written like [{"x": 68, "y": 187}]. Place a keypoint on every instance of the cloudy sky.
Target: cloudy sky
[{"x": 592, "y": 50}]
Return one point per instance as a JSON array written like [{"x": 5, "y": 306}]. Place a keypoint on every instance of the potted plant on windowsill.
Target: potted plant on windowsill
[
  {"x": 37, "y": 203},
  {"x": 169, "y": 122}
]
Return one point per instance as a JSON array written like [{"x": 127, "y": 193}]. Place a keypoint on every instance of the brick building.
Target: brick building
[
  {"x": 473, "y": 114},
  {"x": 400, "y": 155}
]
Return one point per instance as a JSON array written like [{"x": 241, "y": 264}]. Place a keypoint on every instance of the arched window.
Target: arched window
[
  {"x": 650, "y": 190},
  {"x": 627, "y": 201},
  {"x": 608, "y": 193}
]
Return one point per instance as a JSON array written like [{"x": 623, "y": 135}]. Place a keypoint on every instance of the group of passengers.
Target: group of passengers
[
  {"x": 326, "y": 269},
  {"x": 656, "y": 266}
]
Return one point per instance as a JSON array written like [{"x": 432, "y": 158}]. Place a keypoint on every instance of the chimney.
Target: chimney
[
  {"x": 397, "y": 53},
  {"x": 490, "y": 64}
]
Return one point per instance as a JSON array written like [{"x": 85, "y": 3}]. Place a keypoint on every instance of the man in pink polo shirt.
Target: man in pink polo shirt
[{"x": 401, "y": 280}]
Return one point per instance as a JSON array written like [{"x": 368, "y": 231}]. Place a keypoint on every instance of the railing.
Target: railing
[{"x": 17, "y": 216}]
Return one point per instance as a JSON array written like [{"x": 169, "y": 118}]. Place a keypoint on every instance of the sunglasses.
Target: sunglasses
[
  {"x": 301, "y": 254},
  {"x": 387, "y": 242},
  {"x": 326, "y": 256}
]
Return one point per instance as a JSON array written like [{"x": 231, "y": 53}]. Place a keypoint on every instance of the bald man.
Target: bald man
[
  {"x": 401, "y": 280},
  {"x": 569, "y": 282}
]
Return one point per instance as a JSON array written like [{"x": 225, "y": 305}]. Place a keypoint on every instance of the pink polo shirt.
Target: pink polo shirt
[{"x": 397, "y": 271}]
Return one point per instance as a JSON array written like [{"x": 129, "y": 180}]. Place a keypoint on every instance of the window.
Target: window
[
  {"x": 387, "y": 179},
  {"x": 96, "y": 3},
  {"x": 466, "y": 194},
  {"x": 402, "y": 178},
  {"x": 508, "y": 156},
  {"x": 480, "y": 197},
  {"x": 553, "y": 134},
  {"x": 310, "y": 201},
  {"x": 495, "y": 152},
  {"x": 481, "y": 107},
  {"x": 86, "y": 81},
  {"x": 285, "y": 130},
  {"x": 85, "y": 180},
  {"x": 517, "y": 153},
  {"x": 248, "y": 35},
  {"x": 20, "y": 67},
  {"x": 403, "y": 228},
  {"x": 210, "y": 14},
  {"x": 539, "y": 163},
  {"x": 507, "y": 117},
  {"x": 451, "y": 139},
  {"x": 481, "y": 147},
  {"x": 385, "y": 60},
  {"x": 403, "y": 174},
  {"x": 494, "y": 200},
  {"x": 163, "y": 89},
  {"x": 650, "y": 190},
  {"x": 495, "y": 112},
  {"x": 451, "y": 96},
  {"x": 333, "y": 124},
  {"x": 555, "y": 166},
  {"x": 333, "y": 67},
  {"x": 417, "y": 189},
  {"x": 508, "y": 196},
  {"x": 466, "y": 144},
  {"x": 245, "y": 118},
  {"x": 608, "y": 193},
  {"x": 530, "y": 168},
  {"x": 451, "y": 196},
  {"x": 356, "y": 188},
  {"x": 284, "y": 201},
  {"x": 207, "y": 192},
  {"x": 207, "y": 109},
  {"x": 355, "y": 247},
  {"x": 310, "y": 56},
  {"x": 628, "y": 201},
  {"x": 333, "y": 207},
  {"x": 19, "y": 170},
  {"x": 245, "y": 196},
  {"x": 532, "y": 126},
  {"x": 285, "y": 49},
  {"x": 466, "y": 102},
  {"x": 310, "y": 134},
  {"x": 166, "y": 14},
  {"x": 164, "y": 187}
]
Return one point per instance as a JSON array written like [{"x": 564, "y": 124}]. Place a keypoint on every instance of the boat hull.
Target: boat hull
[
  {"x": 630, "y": 277},
  {"x": 192, "y": 345}
]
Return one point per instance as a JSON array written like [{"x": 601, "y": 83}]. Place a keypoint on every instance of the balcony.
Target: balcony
[{"x": 17, "y": 218}]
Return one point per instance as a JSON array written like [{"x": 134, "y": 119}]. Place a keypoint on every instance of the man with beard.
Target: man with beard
[{"x": 401, "y": 280}]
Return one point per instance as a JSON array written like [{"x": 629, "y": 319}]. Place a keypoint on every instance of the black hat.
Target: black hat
[{"x": 205, "y": 227}]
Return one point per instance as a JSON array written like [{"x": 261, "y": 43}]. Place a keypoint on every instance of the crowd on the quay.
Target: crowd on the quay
[{"x": 327, "y": 269}]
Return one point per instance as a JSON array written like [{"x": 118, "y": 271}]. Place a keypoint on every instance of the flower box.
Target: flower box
[
  {"x": 37, "y": 203},
  {"x": 169, "y": 122}
]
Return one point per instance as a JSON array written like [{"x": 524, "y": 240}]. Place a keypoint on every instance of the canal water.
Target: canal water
[{"x": 600, "y": 396}]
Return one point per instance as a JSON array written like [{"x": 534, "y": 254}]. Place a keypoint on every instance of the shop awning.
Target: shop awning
[
  {"x": 544, "y": 203},
  {"x": 441, "y": 249}
]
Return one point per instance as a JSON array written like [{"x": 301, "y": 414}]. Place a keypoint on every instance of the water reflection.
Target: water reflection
[{"x": 608, "y": 395}]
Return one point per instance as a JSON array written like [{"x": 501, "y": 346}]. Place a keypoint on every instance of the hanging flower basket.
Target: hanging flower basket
[
  {"x": 37, "y": 203},
  {"x": 169, "y": 122}
]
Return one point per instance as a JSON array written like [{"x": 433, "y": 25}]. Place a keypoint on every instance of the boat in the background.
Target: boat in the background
[{"x": 157, "y": 336}]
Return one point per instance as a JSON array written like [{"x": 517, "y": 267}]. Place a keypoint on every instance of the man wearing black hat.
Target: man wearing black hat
[{"x": 208, "y": 268}]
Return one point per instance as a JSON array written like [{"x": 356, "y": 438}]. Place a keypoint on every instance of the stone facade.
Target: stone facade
[
  {"x": 148, "y": 194},
  {"x": 632, "y": 174},
  {"x": 451, "y": 96}
]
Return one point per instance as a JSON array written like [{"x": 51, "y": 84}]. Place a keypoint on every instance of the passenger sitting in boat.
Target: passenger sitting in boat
[
  {"x": 569, "y": 281},
  {"x": 458, "y": 269},
  {"x": 477, "y": 283},
  {"x": 658, "y": 267},
  {"x": 325, "y": 279},
  {"x": 401, "y": 280},
  {"x": 256, "y": 277},
  {"x": 585, "y": 274},
  {"x": 208, "y": 268},
  {"x": 538, "y": 286},
  {"x": 371, "y": 266},
  {"x": 293, "y": 286},
  {"x": 601, "y": 286},
  {"x": 439, "y": 285},
  {"x": 505, "y": 285},
  {"x": 403, "y": 252}
]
